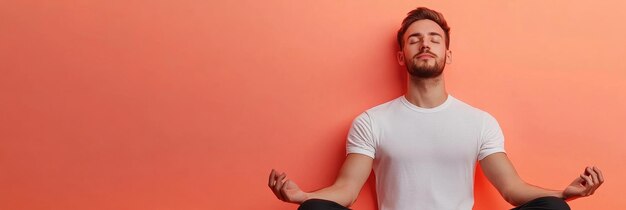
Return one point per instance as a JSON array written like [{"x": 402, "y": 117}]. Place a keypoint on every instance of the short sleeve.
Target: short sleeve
[
  {"x": 360, "y": 137},
  {"x": 491, "y": 137}
]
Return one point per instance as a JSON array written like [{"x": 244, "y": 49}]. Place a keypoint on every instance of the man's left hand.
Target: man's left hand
[{"x": 585, "y": 185}]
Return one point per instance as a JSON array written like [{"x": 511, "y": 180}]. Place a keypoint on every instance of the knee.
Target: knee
[
  {"x": 555, "y": 203},
  {"x": 319, "y": 204},
  {"x": 550, "y": 202}
]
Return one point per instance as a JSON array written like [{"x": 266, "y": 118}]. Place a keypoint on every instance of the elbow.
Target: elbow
[
  {"x": 509, "y": 197},
  {"x": 349, "y": 195},
  {"x": 510, "y": 200},
  {"x": 353, "y": 196},
  {"x": 512, "y": 192}
]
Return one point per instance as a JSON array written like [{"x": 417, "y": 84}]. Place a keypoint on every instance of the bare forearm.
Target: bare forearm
[
  {"x": 524, "y": 192},
  {"x": 337, "y": 193}
]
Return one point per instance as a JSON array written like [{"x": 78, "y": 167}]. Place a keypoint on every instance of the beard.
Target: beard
[{"x": 425, "y": 71}]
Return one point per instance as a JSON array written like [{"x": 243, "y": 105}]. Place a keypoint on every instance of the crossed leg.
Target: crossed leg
[{"x": 543, "y": 203}]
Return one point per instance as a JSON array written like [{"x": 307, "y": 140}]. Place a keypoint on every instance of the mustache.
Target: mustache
[{"x": 425, "y": 52}]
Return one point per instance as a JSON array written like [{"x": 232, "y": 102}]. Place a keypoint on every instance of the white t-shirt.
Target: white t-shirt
[{"x": 425, "y": 158}]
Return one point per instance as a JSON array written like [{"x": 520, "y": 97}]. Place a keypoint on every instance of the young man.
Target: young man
[{"x": 423, "y": 146}]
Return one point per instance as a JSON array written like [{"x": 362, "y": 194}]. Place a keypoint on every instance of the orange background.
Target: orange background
[{"x": 189, "y": 104}]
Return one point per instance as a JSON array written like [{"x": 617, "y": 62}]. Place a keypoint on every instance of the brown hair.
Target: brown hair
[{"x": 422, "y": 13}]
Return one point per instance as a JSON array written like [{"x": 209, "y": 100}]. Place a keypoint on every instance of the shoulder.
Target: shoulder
[
  {"x": 468, "y": 110},
  {"x": 462, "y": 106},
  {"x": 384, "y": 108},
  {"x": 378, "y": 112}
]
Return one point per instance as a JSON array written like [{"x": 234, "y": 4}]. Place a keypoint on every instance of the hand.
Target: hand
[
  {"x": 585, "y": 185},
  {"x": 286, "y": 190}
]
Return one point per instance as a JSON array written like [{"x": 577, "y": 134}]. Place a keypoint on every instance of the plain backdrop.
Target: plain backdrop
[{"x": 189, "y": 104}]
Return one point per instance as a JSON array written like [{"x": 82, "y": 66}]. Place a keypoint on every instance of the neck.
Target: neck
[{"x": 426, "y": 93}]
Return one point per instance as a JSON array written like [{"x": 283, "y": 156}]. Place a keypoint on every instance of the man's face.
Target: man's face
[{"x": 424, "y": 52}]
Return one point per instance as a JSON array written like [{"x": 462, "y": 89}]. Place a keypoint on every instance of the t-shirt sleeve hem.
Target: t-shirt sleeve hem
[
  {"x": 360, "y": 151},
  {"x": 486, "y": 153}
]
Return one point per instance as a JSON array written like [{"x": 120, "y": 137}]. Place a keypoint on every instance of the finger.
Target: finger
[
  {"x": 279, "y": 182},
  {"x": 594, "y": 176},
  {"x": 599, "y": 180},
  {"x": 273, "y": 187},
  {"x": 600, "y": 177},
  {"x": 587, "y": 186},
  {"x": 270, "y": 183},
  {"x": 278, "y": 195},
  {"x": 586, "y": 180},
  {"x": 276, "y": 185},
  {"x": 276, "y": 190},
  {"x": 277, "y": 179},
  {"x": 581, "y": 180},
  {"x": 283, "y": 193}
]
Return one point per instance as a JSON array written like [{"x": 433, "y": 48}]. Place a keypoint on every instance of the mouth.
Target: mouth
[{"x": 425, "y": 56}]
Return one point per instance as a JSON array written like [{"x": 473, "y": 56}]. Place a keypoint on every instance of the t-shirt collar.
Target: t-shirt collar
[{"x": 442, "y": 106}]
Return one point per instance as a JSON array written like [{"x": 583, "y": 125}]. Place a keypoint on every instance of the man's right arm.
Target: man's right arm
[{"x": 353, "y": 174}]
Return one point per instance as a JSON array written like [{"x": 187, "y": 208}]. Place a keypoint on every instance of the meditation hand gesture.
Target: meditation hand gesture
[
  {"x": 285, "y": 190},
  {"x": 585, "y": 185}
]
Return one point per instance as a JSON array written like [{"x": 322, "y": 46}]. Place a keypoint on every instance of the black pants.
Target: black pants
[{"x": 543, "y": 203}]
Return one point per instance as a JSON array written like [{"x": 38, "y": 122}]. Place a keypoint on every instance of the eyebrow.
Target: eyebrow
[{"x": 420, "y": 34}]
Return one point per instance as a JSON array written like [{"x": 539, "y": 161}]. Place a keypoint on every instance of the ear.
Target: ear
[
  {"x": 448, "y": 56},
  {"x": 400, "y": 58}
]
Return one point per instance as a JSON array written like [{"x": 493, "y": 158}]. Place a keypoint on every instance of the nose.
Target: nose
[{"x": 424, "y": 46}]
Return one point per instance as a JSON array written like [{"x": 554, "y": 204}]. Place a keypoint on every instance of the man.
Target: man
[{"x": 423, "y": 146}]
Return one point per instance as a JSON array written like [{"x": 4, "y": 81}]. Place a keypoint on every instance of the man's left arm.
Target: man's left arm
[{"x": 498, "y": 169}]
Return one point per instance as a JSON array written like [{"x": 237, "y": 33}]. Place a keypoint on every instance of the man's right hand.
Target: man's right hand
[
  {"x": 285, "y": 189},
  {"x": 353, "y": 174}
]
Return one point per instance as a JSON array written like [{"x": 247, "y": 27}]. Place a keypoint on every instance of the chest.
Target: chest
[{"x": 422, "y": 141}]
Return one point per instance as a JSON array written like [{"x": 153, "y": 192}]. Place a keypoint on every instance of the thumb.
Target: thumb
[{"x": 291, "y": 185}]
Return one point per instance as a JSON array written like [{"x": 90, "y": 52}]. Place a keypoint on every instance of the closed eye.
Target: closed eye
[{"x": 436, "y": 39}]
